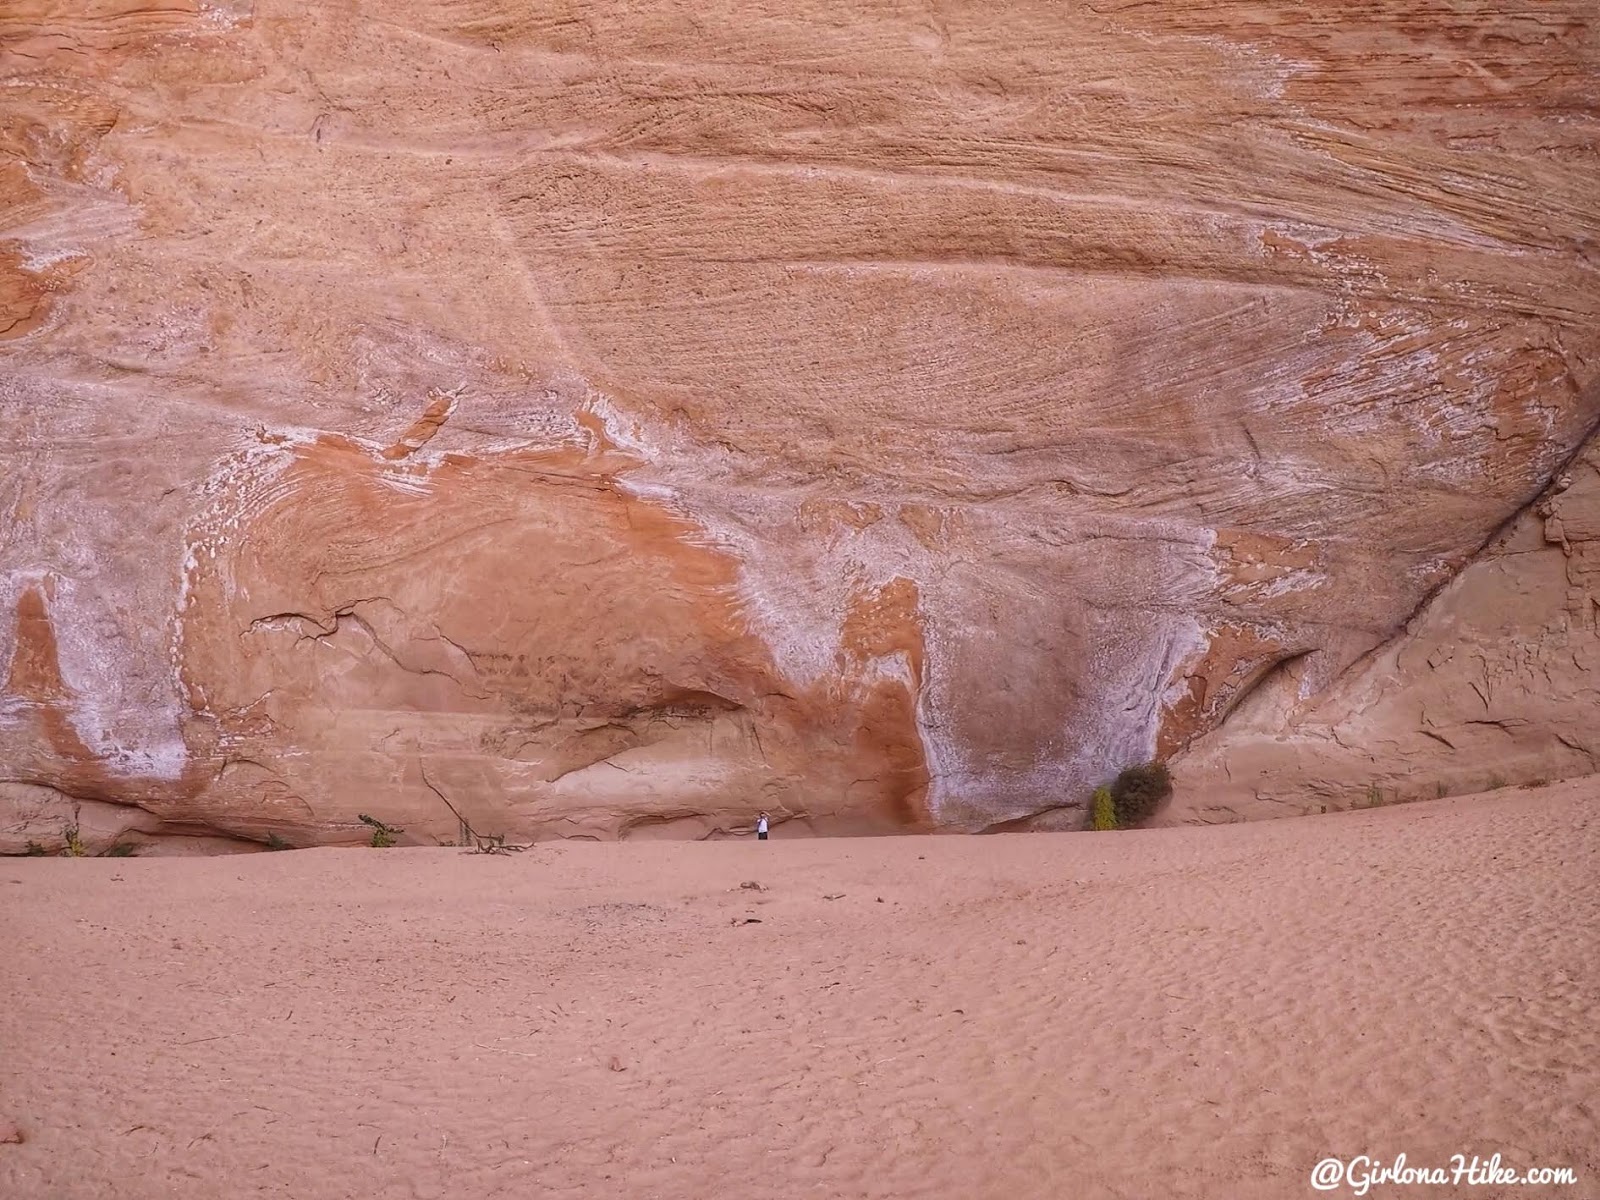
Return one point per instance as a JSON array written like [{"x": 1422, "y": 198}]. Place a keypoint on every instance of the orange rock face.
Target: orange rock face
[
  {"x": 550, "y": 418},
  {"x": 1495, "y": 683}
]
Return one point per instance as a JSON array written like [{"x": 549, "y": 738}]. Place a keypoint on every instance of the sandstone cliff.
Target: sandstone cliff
[
  {"x": 1496, "y": 682},
  {"x": 585, "y": 419}
]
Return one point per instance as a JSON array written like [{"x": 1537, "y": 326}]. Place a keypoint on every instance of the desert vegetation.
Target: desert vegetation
[
  {"x": 383, "y": 836},
  {"x": 1132, "y": 798}
]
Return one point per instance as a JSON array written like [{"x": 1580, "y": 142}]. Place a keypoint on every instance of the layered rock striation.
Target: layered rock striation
[{"x": 571, "y": 419}]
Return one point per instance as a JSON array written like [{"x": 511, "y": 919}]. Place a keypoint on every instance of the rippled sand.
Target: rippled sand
[{"x": 1184, "y": 1012}]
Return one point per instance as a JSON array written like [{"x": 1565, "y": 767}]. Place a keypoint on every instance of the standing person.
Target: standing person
[{"x": 761, "y": 827}]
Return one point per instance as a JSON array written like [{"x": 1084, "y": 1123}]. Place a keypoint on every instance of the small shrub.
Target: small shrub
[
  {"x": 1440, "y": 791},
  {"x": 1496, "y": 782},
  {"x": 495, "y": 843},
  {"x": 1139, "y": 791},
  {"x": 34, "y": 850},
  {"x": 121, "y": 850},
  {"x": 1102, "y": 810},
  {"x": 1374, "y": 796},
  {"x": 274, "y": 842},
  {"x": 382, "y": 835},
  {"x": 74, "y": 847}
]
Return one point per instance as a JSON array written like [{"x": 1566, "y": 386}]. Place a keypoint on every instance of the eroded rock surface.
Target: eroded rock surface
[
  {"x": 1496, "y": 683},
  {"x": 562, "y": 418}
]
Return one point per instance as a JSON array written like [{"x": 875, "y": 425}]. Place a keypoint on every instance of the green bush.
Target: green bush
[
  {"x": 1139, "y": 791},
  {"x": 1102, "y": 810},
  {"x": 382, "y": 835}
]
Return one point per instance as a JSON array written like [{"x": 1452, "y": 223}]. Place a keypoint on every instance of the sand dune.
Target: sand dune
[{"x": 1185, "y": 1012}]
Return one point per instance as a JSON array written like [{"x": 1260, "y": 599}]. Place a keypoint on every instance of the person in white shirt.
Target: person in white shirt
[{"x": 761, "y": 827}]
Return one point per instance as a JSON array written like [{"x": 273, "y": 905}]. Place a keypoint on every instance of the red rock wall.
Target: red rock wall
[
  {"x": 606, "y": 419},
  {"x": 1495, "y": 683}
]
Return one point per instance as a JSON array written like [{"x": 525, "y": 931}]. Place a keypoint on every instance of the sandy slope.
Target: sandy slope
[{"x": 1187, "y": 1012}]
